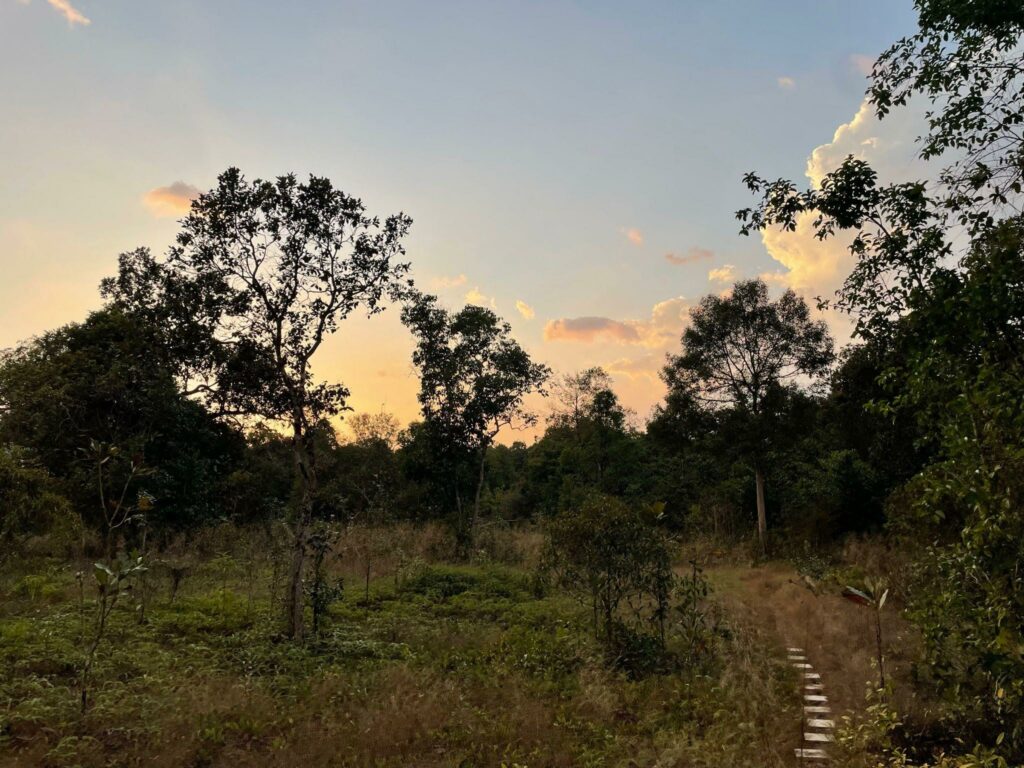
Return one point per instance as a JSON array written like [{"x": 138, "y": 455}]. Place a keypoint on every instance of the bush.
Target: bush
[{"x": 613, "y": 557}]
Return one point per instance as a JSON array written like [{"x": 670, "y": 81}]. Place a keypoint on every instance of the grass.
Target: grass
[{"x": 440, "y": 665}]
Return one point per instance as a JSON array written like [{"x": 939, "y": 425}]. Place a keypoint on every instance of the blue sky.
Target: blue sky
[{"x": 551, "y": 153}]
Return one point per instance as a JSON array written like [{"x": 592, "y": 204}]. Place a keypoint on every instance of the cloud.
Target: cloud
[
  {"x": 635, "y": 236},
  {"x": 818, "y": 268},
  {"x": 474, "y": 296},
  {"x": 68, "y": 11},
  {"x": 775, "y": 279},
  {"x": 645, "y": 366},
  {"x": 786, "y": 83},
  {"x": 448, "y": 282},
  {"x": 590, "y": 329},
  {"x": 694, "y": 254},
  {"x": 724, "y": 274},
  {"x": 525, "y": 309},
  {"x": 170, "y": 201},
  {"x": 668, "y": 318},
  {"x": 862, "y": 63}
]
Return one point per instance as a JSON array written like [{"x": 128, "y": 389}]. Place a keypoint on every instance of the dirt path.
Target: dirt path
[{"x": 835, "y": 635}]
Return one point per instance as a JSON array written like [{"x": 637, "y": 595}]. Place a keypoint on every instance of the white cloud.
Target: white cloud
[
  {"x": 724, "y": 274},
  {"x": 474, "y": 296},
  {"x": 816, "y": 267},
  {"x": 68, "y": 11},
  {"x": 170, "y": 201},
  {"x": 525, "y": 309},
  {"x": 445, "y": 281},
  {"x": 775, "y": 279},
  {"x": 635, "y": 236},
  {"x": 645, "y": 366}
]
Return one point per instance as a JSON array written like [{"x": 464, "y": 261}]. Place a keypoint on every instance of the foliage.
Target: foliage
[
  {"x": 464, "y": 665},
  {"x": 739, "y": 353},
  {"x": 473, "y": 380},
  {"x": 691, "y": 620},
  {"x": 108, "y": 380},
  {"x": 112, "y": 581},
  {"x": 30, "y": 500},
  {"x": 588, "y": 447},
  {"x": 261, "y": 273},
  {"x": 966, "y": 59},
  {"x": 321, "y": 591},
  {"x": 616, "y": 560}
]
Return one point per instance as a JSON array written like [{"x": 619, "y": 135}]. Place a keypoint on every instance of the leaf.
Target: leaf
[
  {"x": 856, "y": 596},
  {"x": 102, "y": 573}
]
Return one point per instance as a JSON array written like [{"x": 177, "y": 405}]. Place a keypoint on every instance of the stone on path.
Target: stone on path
[
  {"x": 811, "y": 754},
  {"x": 818, "y": 737}
]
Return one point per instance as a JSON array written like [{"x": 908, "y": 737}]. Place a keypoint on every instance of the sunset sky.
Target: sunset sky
[{"x": 575, "y": 165}]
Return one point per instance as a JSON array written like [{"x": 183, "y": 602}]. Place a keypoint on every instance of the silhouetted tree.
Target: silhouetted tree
[
  {"x": 269, "y": 269},
  {"x": 741, "y": 351},
  {"x": 473, "y": 379}
]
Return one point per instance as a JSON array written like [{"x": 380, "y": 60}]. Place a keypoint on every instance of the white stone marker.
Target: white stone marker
[{"x": 812, "y": 754}]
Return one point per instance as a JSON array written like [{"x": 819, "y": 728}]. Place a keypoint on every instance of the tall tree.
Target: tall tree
[
  {"x": 269, "y": 269},
  {"x": 474, "y": 378},
  {"x": 574, "y": 393},
  {"x": 741, "y": 351}
]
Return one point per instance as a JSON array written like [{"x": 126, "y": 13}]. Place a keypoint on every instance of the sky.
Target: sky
[{"x": 574, "y": 164}]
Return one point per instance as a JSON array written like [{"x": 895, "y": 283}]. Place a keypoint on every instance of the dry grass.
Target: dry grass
[{"x": 839, "y": 636}]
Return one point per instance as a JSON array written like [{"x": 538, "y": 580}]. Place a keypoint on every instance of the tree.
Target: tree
[
  {"x": 574, "y": 394},
  {"x": 474, "y": 378},
  {"x": 950, "y": 315},
  {"x": 109, "y": 379},
  {"x": 588, "y": 446},
  {"x": 741, "y": 351},
  {"x": 379, "y": 427},
  {"x": 268, "y": 269},
  {"x": 967, "y": 60},
  {"x": 960, "y": 377},
  {"x": 612, "y": 555}
]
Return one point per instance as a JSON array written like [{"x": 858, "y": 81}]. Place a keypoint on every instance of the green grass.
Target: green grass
[{"x": 457, "y": 665}]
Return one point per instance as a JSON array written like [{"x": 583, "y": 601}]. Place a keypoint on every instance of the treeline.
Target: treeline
[{"x": 829, "y": 465}]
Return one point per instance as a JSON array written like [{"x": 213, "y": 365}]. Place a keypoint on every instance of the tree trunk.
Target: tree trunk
[
  {"x": 476, "y": 498},
  {"x": 878, "y": 643},
  {"x": 762, "y": 518},
  {"x": 303, "y": 452}
]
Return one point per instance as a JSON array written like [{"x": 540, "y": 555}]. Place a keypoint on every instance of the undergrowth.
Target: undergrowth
[{"x": 441, "y": 665}]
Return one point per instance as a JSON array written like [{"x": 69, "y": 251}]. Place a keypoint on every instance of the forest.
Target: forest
[{"x": 208, "y": 559}]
